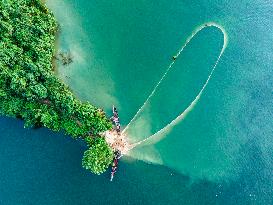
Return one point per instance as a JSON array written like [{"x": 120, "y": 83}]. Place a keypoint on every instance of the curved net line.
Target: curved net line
[{"x": 162, "y": 132}]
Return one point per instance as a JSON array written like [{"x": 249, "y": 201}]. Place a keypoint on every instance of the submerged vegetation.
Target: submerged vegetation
[
  {"x": 29, "y": 88},
  {"x": 64, "y": 57}
]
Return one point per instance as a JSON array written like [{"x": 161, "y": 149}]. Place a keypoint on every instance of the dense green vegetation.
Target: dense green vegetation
[
  {"x": 28, "y": 87},
  {"x": 98, "y": 157}
]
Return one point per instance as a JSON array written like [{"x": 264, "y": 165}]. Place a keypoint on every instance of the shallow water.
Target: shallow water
[{"x": 220, "y": 153}]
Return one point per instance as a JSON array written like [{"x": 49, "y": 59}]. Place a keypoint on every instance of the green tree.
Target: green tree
[
  {"x": 29, "y": 88},
  {"x": 98, "y": 157}
]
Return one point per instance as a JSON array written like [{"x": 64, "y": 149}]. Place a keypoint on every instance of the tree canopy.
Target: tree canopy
[
  {"x": 98, "y": 157},
  {"x": 29, "y": 88}
]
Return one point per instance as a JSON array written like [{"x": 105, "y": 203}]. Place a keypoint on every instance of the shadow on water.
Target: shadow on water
[{"x": 42, "y": 167}]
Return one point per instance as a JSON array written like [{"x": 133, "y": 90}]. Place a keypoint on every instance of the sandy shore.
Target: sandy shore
[{"x": 117, "y": 141}]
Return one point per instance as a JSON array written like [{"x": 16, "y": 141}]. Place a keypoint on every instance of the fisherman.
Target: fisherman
[
  {"x": 118, "y": 154},
  {"x": 115, "y": 114},
  {"x": 117, "y": 122},
  {"x": 118, "y": 128},
  {"x": 115, "y": 119},
  {"x": 174, "y": 58}
]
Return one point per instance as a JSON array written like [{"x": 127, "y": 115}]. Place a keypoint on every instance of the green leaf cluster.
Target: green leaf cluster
[
  {"x": 98, "y": 157},
  {"x": 29, "y": 88}
]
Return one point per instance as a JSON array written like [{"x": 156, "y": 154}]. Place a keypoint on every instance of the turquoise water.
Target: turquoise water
[{"x": 221, "y": 153}]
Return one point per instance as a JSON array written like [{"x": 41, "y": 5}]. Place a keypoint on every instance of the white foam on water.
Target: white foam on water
[{"x": 159, "y": 135}]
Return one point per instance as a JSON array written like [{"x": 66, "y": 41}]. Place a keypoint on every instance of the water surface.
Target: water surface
[{"x": 220, "y": 153}]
